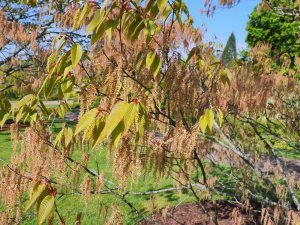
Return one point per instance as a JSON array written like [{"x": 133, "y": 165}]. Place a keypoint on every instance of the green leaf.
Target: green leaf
[
  {"x": 142, "y": 123},
  {"x": 203, "y": 124},
  {"x": 86, "y": 120},
  {"x": 97, "y": 19},
  {"x": 137, "y": 31},
  {"x": 209, "y": 114},
  {"x": 150, "y": 27},
  {"x": 149, "y": 59},
  {"x": 58, "y": 137},
  {"x": 97, "y": 128},
  {"x": 161, "y": 4},
  {"x": 134, "y": 27},
  {"x": 80, "y": 16},
  {"x": 68, "y": 134},
  {"x": 156, "y": 65},
  {"x": 63, "y": 62},
  {"x": 117, "y": 133},
  {"x": 130, "y": 116},
  {"x": 153, "y": 12},
  {"x": 149, "y": 5},
  {"x": 114, "y": 118},
  {"x": 100, "y": 30},
  {"x": 225, "y": 76},
  {"x": 36, "y": 191},
  {"x": 166, "y": 12},
  {"x": 63, "y": 109},
  {"x": 45, "y": 208},
  {"x": 26, "y": 99},
  {"x": 3, "y": 117},
  {"x": 221, "y": 117},
  {"x": 76, "y": 54}
]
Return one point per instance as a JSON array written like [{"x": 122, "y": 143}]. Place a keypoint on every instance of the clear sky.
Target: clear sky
[{"x": 224, "y": 21}]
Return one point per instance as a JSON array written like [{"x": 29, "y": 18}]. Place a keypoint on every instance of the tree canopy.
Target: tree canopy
[{"x": 276, "y": 27}]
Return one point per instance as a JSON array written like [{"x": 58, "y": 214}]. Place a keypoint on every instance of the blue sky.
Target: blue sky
[{"x": 224, "y": 21}]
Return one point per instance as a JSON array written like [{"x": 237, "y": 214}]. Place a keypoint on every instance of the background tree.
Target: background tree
[
  {"x": 229, "y": 53},
  {"x": 278, "y": 28}
]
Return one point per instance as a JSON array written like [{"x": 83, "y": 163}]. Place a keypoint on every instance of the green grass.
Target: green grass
[{"x": 5, "y": 147}]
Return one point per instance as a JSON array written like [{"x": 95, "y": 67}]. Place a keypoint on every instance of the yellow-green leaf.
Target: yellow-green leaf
[
  {"x": 149, "y": 59},
  {"x": 45, "y": 208},
  {"x": 209, "y": 114},
  {"x": 58, "y": 137},
  {"x": 130, "y": 116},
  {"x": 161, "y": 5},
  {"x": 36, "y": 191},
  {"x": 156, "y": 65},
  {"x": 68, "y": 134},
  {"x": 117, "y": 133},
  {"x": 97, "y": 19},
  {"x": 26, "y": 99},
  {"x": 76, "y": 54},
  {"x": 225, "y": 76},
  {"x": 86, "y": 120},
  {"x": 221, "y": 117},
  {"x": 203, "y": 123},
  {"x": 114, "y": 118}
]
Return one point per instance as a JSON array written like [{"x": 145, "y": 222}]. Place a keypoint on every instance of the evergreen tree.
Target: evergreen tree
[{"x": 229, "y": 53}]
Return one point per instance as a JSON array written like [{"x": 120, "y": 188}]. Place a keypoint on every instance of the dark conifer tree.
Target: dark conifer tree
[{"x": 229, "y": 53}]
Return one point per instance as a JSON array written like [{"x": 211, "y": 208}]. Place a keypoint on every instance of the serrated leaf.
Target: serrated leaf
[
  {"x": 86, "y": 120},
  {"x": 76, "y": 54},
  {"x": 45, "y": 208},
  {"x": 203, "y": 124},
  {"x": 209, "y": 114},
  {"x": 114, "y": 118},
  {"x": 37, "y": 190}
]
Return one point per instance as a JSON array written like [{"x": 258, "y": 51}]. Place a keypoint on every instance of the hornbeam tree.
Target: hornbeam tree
[{"x": 152, "y": 93}]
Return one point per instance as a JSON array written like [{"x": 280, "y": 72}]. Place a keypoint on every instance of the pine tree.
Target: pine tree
[{"x": 229, "y": 53}]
